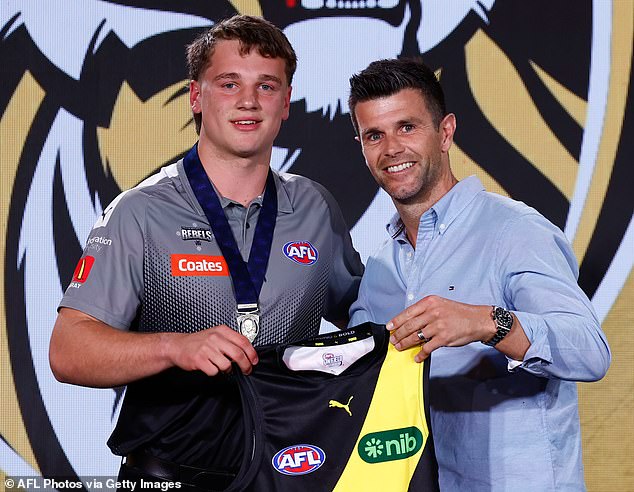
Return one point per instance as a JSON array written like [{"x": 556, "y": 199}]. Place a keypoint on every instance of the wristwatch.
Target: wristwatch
[{"x": 503, "y": 322}]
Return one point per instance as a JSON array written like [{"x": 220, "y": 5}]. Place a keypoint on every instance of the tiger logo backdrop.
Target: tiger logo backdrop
[{"x": 94, "y": 98}]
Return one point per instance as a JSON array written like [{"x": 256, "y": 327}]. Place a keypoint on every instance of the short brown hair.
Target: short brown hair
[{"x": 252, "y": 32}]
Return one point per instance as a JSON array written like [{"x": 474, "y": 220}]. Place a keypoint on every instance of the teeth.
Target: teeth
[
  {"x": 246, "y": 122},
  {"x": 399, "y": 167}
]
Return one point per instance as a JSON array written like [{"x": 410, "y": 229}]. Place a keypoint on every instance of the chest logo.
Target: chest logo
[
  {"x": 195, "y": 234},
  {"x": 344, "y": 406},
  {"x": 301, "y": 252},
  {"x": 199, "y": 266},
  {"x": 299, "y": 459},
  {"x": 390, "y": 445}
]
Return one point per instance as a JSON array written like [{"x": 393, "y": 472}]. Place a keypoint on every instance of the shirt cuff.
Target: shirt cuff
[{"x": 538, "y": 354}]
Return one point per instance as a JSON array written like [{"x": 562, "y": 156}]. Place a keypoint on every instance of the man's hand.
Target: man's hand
[
  {"x": 444, "y": 323},
  {"x": 212, "y": 351}
]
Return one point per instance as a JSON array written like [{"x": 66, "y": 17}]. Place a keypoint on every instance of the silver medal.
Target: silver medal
[{"x": 249, "y": 323}]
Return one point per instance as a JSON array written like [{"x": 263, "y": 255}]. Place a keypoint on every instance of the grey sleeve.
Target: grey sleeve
[{"x": 108, "y": 280}]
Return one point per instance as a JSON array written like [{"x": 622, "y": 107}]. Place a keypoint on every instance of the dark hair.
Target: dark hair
[
  {"x": 252, "y": 32},
  {"x": 385, "y": 78}
]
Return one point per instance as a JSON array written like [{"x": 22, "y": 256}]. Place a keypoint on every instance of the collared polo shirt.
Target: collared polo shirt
[{"x": 152, "y": 264}]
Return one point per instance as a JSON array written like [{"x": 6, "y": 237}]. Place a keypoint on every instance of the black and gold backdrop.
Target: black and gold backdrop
[{"x": 93, "y": 99}]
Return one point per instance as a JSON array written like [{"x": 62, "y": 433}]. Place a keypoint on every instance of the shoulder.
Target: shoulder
[
  {"x": 303, "y": 191},
  {"x": 135, "y": 200},
  {"x": 505, "y": 213}
]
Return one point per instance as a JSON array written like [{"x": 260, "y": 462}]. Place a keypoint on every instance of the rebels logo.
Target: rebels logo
[
  {"x": 301, "y": 252},
  {"x": 299, "y": 459},
  {"x": 199, "y": 266}
]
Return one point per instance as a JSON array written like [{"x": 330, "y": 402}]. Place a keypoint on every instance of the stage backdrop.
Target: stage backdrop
[{"x": 93, "y": 98}]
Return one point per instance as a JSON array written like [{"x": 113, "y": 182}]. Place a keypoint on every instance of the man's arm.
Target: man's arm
[
  {"x": 88, "y": 352},
  {"x": 555, "y": 333}
]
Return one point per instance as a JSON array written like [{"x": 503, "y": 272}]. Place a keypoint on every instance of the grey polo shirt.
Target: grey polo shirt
[{"x": 151, "y": 262}]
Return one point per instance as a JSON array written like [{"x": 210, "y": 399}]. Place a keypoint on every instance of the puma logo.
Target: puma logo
[{"x": 336, "y": 404}]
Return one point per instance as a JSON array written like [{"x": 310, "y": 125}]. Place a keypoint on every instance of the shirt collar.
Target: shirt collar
[
  {"x": 446, "y": 209},
  {"x": 284, "y": 204}
]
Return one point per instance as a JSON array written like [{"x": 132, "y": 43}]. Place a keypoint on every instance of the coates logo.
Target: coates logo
[
  {"x": 83, "y": 269},
  {"x": 199, "y": 266},
  {"x": 299, "y": 459},
  {"x": 301, "y": 252}
]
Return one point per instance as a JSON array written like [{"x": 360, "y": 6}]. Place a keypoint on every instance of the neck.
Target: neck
[
  {"x": 238, "y": 179},
  {"x": 410, "y": 212}
]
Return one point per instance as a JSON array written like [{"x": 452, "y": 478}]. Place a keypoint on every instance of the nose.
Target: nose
[
  {"x": 249, "y": 98},
  {"x": 392, "y": 145}
]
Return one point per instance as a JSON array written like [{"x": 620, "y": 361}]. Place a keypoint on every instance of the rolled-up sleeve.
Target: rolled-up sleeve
[{"x": 540, "y": 286}]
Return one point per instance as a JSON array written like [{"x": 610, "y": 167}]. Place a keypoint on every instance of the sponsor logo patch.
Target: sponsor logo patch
[
  {"x": 98, "y": 242},
  {"x": 390, "y": 445},
  {"x": 82, "y": 270},
  {"x": 196, "y": 234},
  {"x": 199, "y": 266},
  {"x": 301, "y": 252},
  {"x": 299, "y": 459}
]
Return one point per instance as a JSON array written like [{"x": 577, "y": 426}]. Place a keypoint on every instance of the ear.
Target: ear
[
  {"x": 287, "y": 104},
  {"x": 447, "y": 130},
  {"x": 194, "y": 96}
]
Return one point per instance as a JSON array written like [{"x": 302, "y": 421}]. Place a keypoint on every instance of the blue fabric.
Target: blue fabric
[{"x": 499, "y": 425}]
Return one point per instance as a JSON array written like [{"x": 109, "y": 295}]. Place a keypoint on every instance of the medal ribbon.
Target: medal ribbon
[{"x": 248, "y": 277}]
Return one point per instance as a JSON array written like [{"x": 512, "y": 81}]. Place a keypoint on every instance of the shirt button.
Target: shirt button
[
  {"x": 409, "y": 254},
  {"x": 442, "y": 227},
  {"x": 410, "y": 296}
]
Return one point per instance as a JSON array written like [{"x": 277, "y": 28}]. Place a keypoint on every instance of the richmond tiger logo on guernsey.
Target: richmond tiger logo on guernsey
[{"x": 199, "y": 266}]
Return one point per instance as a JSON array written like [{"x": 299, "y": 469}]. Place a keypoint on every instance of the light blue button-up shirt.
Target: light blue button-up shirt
[{"x": 498, "y": 425}]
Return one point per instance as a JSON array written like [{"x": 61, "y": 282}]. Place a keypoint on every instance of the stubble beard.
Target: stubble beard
[{"x": 422, "y": 190}]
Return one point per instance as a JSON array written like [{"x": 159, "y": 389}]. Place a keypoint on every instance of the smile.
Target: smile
[
  {"x": 245, "y": 122},
  {"x": 399, "y": 167}
]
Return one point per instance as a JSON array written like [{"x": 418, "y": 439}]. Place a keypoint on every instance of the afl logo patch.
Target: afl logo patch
[
  {"x": 299, "y": 459},
  {"x": 301, "y": 252}
]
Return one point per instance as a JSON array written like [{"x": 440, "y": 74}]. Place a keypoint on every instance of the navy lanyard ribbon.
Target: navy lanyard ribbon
[{"x": 248, "y": 277}]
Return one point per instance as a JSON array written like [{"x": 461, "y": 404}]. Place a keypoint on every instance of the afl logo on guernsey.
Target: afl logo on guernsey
[
  {"x": 301, "y": 252},
  {"x": 299, "y": 459}
]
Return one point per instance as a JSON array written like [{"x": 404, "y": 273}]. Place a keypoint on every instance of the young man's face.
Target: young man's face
[
  {"x": 401, "y": 145},
  {"x": 243, "y": 101}
]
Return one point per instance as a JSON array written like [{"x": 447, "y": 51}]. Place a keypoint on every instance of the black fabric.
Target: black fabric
[{"x": 183, "y": 417}]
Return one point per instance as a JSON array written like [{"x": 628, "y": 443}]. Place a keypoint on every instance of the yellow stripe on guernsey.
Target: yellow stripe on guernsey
[{"x": 394, "y": 428}]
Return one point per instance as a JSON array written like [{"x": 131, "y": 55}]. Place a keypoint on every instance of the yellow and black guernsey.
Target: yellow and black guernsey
[{"x": 344, "y": 411}]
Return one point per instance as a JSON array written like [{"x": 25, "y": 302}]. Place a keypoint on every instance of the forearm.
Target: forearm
[{"x": 87, "y": 352}]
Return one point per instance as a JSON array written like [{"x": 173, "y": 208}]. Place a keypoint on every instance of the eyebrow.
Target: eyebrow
[
  {"x": 234, "y": 75},
  {"x": 398, "y": 124}
]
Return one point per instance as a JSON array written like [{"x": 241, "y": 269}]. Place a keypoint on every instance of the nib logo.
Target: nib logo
[
  {"x": 374, "y": 448},
  {"x": 390, "y": 445}
]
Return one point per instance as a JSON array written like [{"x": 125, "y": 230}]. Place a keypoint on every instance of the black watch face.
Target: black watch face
[{"x": 503, "y": 317}]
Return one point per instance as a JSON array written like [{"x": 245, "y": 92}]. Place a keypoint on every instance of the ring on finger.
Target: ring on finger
[{"x": 421, "y": 336}]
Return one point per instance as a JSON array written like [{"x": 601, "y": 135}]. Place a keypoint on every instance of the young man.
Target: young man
[
  {"x": 167, "y": 301},
  {"x": 485, "y": 283}
]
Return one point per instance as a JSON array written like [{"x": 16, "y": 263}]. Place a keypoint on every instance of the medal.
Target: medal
[
  {"x": 249, "y": 325},
  {"x": 248, "y": 318}
]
